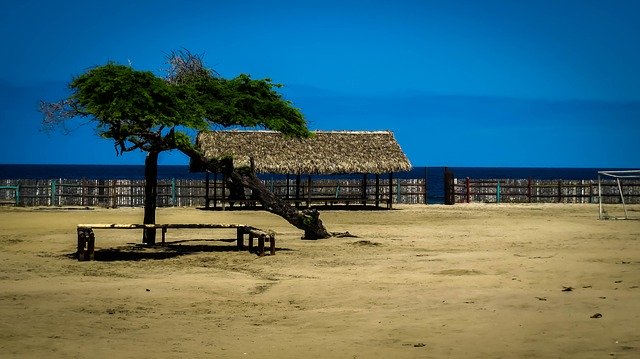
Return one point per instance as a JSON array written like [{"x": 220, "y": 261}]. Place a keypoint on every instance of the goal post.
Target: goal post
[{"x": 619, "y": 177}]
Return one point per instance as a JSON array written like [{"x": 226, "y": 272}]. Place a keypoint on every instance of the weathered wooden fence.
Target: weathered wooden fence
[
  {"x": 542, "y": 191},
  {"x": 194, "y": 193}
]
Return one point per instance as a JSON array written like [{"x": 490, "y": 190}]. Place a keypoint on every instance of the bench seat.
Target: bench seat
[{"x": 86, "y": 235}]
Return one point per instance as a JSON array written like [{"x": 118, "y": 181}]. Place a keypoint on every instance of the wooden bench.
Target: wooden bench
[{"x": 86, "y": 236}]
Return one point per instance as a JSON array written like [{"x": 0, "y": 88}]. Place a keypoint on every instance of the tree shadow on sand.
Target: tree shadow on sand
[{"x": 173, "y": 249}]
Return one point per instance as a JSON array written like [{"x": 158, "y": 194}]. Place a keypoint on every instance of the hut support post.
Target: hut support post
[
  {"x": 224, "y": 191},
  {"x": 364, "y": 189},
  {"x": 288, "y": 190},
  {"x": 390, "y": 201},
  {"x": 215, "y": 190},
  {"x": 308, "y": 191},
  {"x": 297, "y": 190},
  {"x": 206, "y": 190},
  {"x": 377, "y": 189}
]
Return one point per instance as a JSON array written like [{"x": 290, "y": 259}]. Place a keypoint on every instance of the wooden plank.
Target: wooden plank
[{"x": 166, "y": 225}]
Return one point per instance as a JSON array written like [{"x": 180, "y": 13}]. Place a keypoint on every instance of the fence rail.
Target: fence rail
[
  {"x": 195, "y": 193},
  {"x": 542, "y": 191}
]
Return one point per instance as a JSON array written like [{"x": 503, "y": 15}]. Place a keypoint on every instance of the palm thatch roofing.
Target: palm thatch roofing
[{"x": 325, "y": 152}]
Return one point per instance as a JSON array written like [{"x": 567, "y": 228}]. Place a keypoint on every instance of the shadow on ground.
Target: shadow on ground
[
  {"x": 338, "y": 207},
  {"x": 137, "y": 252}
]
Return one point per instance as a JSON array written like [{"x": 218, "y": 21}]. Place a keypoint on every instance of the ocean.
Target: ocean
[{"x": 434, "y": 175}]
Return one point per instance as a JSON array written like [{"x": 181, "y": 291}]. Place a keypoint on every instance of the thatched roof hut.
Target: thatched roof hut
[{"x": 326, "y": 152}]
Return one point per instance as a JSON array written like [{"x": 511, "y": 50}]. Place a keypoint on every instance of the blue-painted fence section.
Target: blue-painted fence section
[
  {"x": 467, "y": 190},
  {"x": 193, "y": 193}
]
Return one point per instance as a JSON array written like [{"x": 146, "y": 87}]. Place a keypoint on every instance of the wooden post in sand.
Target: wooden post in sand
[
  {"x": 468, "y": 186},
  {"x": 449, "y": 190}
]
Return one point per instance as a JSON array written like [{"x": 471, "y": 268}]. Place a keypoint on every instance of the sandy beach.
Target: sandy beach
[{"x": 463, "y": 281}]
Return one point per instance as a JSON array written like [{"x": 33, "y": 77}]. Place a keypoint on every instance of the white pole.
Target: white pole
[
  {"x": 622, "y": 199},
  {"x": 599, "y": 197}
]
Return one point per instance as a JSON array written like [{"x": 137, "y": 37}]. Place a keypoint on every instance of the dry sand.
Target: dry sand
[{"x": 463, "y": 281}]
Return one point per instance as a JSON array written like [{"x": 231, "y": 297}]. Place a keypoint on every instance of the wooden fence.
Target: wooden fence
[
  {"x": 196, "y": 193},
  {"x": 542, "y": 191}
]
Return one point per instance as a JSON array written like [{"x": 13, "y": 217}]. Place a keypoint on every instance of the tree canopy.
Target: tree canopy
[{"x": 139, "y": 110}]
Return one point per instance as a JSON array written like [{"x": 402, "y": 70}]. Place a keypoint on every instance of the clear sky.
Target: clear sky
[{"x": 544, "y": 83}]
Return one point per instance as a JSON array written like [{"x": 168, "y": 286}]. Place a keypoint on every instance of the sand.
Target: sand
[{"x": 463, "y": 281}]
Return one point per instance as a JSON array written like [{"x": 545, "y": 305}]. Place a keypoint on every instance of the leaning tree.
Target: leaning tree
[{"x": 141, "y": 111}]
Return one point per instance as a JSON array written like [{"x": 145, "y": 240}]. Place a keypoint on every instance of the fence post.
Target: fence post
[
  {"x": 53, "y": 192},
  {"x": 398, "y": 191},
  {"x": 426, "y": 187},
  {"x": 18, "y": 193},
  {"x": 529, "y": 190},
  {"x": 449, "y": 187},
  {"x": 498, "y": 192},
  {"x": 559, "y": 191},
  {"x": 173, "y": 192},
  {"x": 114, "y": 193},
  {"x": 468, "y": 190}
]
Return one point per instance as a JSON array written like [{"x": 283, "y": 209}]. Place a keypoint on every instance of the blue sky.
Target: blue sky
[{"x": 460, "y": 83}]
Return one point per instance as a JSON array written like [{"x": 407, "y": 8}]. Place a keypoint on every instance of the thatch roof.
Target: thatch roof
[{"x": 326, "y": 152}]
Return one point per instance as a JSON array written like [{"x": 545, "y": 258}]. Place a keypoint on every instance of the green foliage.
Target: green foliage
[
  {"x": 140, "y": 110},
  {"x": 255, "y": 103},
  {"x": 115, "y": 93},
  {"x": 245, "y": 102},
  {"x": 126, "y": 102}
]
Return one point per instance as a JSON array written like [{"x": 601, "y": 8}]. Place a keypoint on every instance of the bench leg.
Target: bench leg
[
  {"x": 240, "y": 237},
  {"x": 272, "y": 244},
  {"x": 86, "y": 244},
  {"x": 91, "y": 246},
  {"x": 261, "y": 245},
  {"x": 82, "y": 242}
]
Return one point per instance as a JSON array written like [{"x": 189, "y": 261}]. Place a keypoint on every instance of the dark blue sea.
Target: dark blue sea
[{"x": 434, "y": 175}]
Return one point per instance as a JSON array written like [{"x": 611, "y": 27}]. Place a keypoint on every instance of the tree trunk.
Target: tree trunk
[
  {"x": 307, "y": 220},
  {"x": 150, "y": 196}
]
